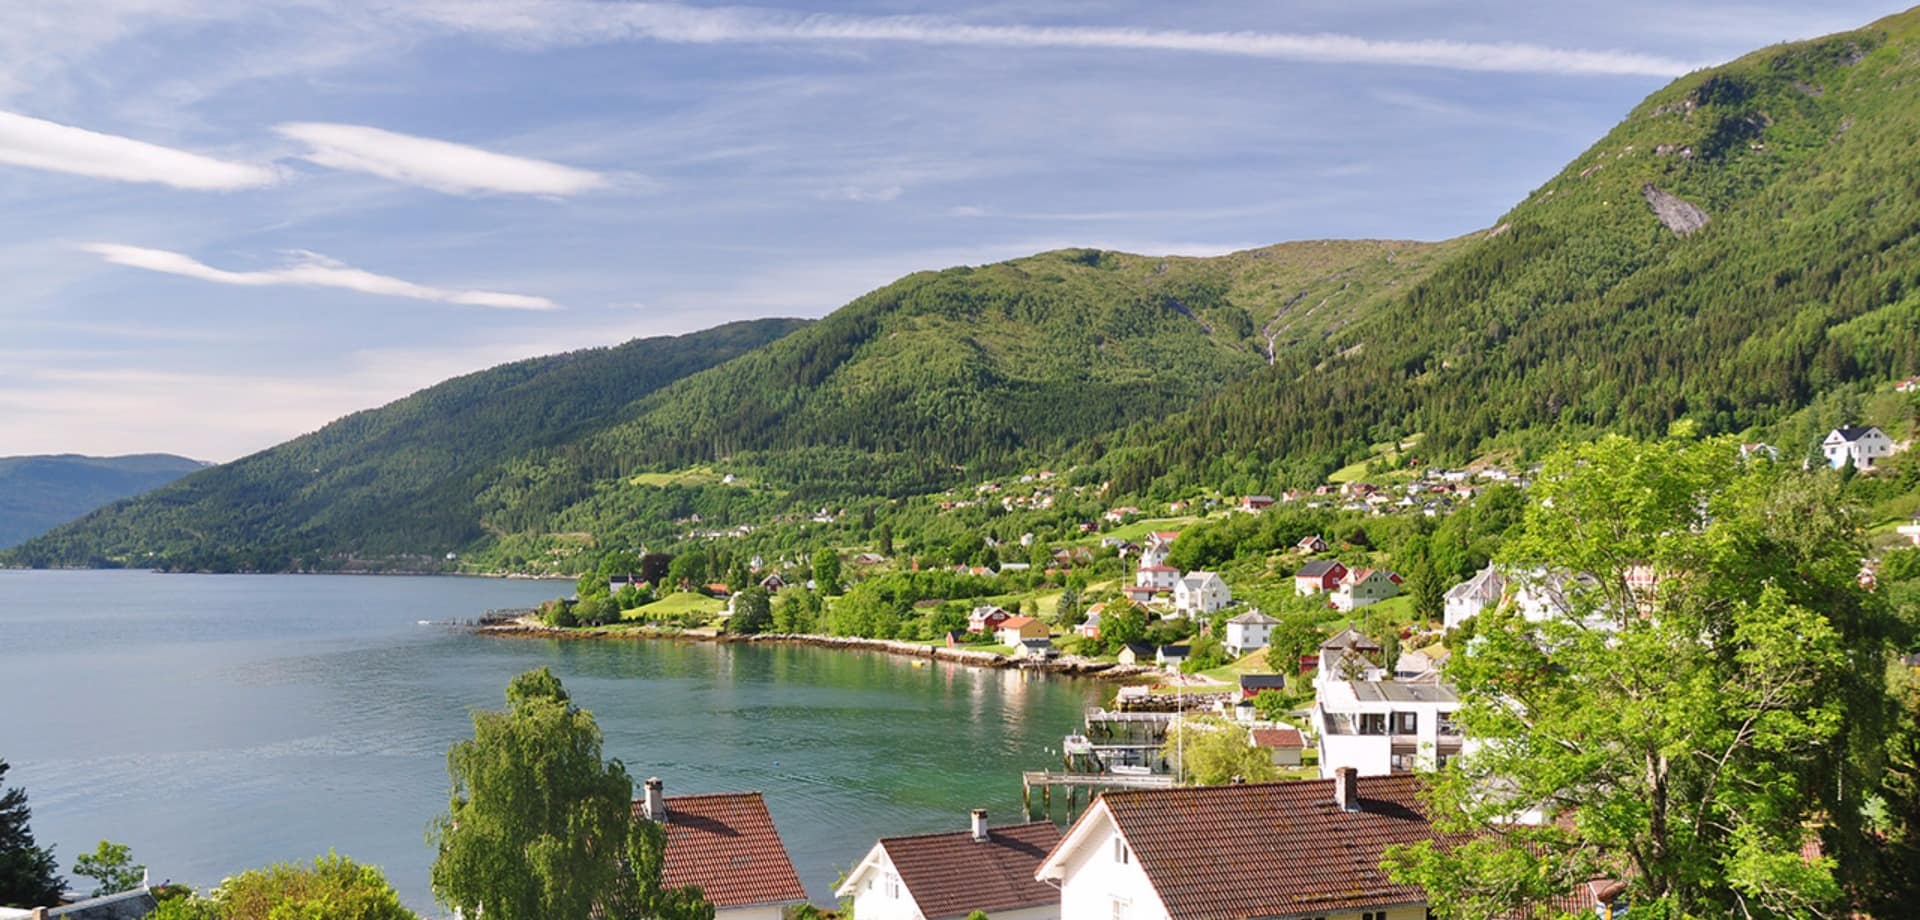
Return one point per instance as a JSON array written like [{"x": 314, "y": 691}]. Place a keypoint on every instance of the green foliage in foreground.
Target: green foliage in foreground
[
  {"x": 540, "y": 826},
  {"x": 29, "y": 875},
  {"x": 112, "y": 866},
  {"x": 1692, "y": 737},
  {"x": 332, "y": 888},
  {"x": 1213, "y": 751}
]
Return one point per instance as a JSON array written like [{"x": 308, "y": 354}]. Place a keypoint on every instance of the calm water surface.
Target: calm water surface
[{"x": 221, "y": 722}]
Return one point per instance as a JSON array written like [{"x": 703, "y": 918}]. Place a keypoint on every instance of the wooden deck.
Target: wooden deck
[{"x": 1045, "y": 780}]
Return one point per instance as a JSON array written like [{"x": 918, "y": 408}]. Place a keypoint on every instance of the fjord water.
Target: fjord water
[{"x": 221, "y": 722}]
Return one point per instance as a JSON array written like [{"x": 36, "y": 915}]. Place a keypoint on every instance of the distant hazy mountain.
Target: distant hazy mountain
[{"x": 40, "y": 493}]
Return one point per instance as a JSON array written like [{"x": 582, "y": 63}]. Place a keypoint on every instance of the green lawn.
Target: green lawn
[
  {"x": 683, "y": 602},
  {"x": 1138, "y": 530},
  {"x": 691, "y": 476},
  {"x": 1354, "y": 472}
]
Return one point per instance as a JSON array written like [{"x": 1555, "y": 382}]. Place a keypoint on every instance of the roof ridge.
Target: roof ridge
[{"x": 991, "y": 829}]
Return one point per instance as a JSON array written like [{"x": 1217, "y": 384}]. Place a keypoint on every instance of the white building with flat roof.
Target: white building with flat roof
[{"x": 1381, "y": 727}]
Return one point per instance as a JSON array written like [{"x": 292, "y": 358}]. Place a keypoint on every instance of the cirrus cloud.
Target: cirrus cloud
[
  {"x": 310, "y": 270},
  {"x": 439, "y": 165},
  {"x": 40, "y": 144}
]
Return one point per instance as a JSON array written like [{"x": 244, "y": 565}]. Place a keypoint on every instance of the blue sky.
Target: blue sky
[{"x": 231, "y": 221}]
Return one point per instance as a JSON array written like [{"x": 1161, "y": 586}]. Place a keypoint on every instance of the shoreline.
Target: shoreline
[{"x": 1070, "y": 667}]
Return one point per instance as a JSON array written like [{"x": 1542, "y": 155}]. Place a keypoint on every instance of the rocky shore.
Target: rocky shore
[{"x": 1070, "y": 665}]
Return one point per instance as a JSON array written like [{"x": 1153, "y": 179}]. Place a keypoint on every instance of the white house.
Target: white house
[
  {"x": 936, "y": 876},
  {"x": 1361, "y": 587},
  {"x": 1201, "y": 593},
  {"x": 726, "y": 844},
  {"x": 1249, "y": 631},
  {"x": 1469, "y": 597},
  {"x": 1302, "y": 849},
  {"x": 1542, "y": 595},
  {"x": 1159, "y": 544},
  {"x": 1382, "y": 727},
  {"x": 1860, "y": 445},
  {"x": 1349, "y": 642},
  {"x": 1157, "y": 577}
]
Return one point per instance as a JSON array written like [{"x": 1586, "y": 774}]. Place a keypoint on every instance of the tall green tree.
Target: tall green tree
[
  {"x": 112, "y": 866},
  {"x": 333, "y": 887},
  {"x": 1690, "y": 736},
  {"x": 826, "y": 570},
  {"x": 29, "y": 875},
  {"x": 539, "y": 825},
  {"x": 752, "y": 611}
]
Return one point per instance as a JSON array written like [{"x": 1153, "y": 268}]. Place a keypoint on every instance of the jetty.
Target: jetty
[{"x": 1045, "y": 780}]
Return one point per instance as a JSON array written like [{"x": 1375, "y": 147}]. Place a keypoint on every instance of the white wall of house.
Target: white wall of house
[
  {"x": 1098, "y": 886},
  {"x": 1374, "y": 754},
  {"x": 1157, "y": 577},
  {"x": 762, "y": 912},
  {"x": 1246, "y": 637},
  {"x": 1863, "y": 450},
  {"x": 1203, "y": 595}
]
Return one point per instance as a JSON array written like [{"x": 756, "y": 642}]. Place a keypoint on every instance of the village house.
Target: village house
[
  {"x": 1311, "y": 544},
  {"x": 1379, "y": 727},
  {"x": 1157, "y": 577},
  {"x": 1362, "y": 587},
  {"x": 1252, "y": 684},
  {"x": 1137, "y": 653},
  {"x": 1171, "y": 657},
  {"x": 1035, "y": 650},
  {"x": 1305, "y": 849},
  {"x": 126, "y": 905},
  {"x": 1908, "y": 385},
  {"x": 938, "y": 876},
  {"x": 1248, "y": 631},
  {"x": 1253, "y": 503},
  {"x": 1159, "y": 544},
  {"x": 1421, "y": 666},
  {"x": 1284, "y": 743},
  {"x": 1141, "y": 595},
  {"x": 1201, "y": 593},
  {"x": 1317, "y": 576},
  {"x": 1090, "y": 627},
  {"x": 1911, "y": 530},
  {"x": 1349, "y": 643},
  {"x": 1860, "y": 446},
  {"x": 1015, "y": 629},
  {"x": 1466, "y": 599},
  {"x": 986, "y": 619},
  {"x": 773, "y": 584},
  {"x": 726, "y": 844}
]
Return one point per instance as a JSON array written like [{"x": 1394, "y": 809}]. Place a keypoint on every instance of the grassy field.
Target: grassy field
[
  {"x": 675, "y": 605},
  {"x": 1137, "y": 531},
  {"x": 691, "y": 476},
  {"x": 1354, "y": 472}
]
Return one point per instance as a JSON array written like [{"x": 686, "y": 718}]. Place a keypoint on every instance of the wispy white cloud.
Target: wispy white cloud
[
  {"x": 435, "y": 164},
  {"x": 32, "y": 142},
  {"x": 565, "y": 22},
  {"x": 310, "y": 270}
]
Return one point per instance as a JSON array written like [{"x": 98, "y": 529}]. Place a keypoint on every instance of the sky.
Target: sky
[{"x": 228, "y": 222}]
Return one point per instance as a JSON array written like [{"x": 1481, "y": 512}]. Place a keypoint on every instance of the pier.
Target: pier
[{"x": 1045, "y": 780}]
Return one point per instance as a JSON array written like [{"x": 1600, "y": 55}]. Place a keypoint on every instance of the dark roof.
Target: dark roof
[
  {"x": 726, "y": 844},
  {"x": 1317, "y": 568},
  {"x": 1175, "y": 651},
  {"x": 1271, "y": 849},
  {"x": 1141, "y": 648},
  {"x": 127, "y": 905},
  {"x": 1263, "y": 681},
  {"x": 952, "y": 875},
  {"x": 1853, "y": 433}
]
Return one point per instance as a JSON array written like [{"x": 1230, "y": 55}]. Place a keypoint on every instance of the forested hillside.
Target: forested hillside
[
  {"x": 1784, "y": 272},
  {"x": 1741, "y": 253},
  {"x": 40, "y": 493},
  {"x": 393, "y": 484}
]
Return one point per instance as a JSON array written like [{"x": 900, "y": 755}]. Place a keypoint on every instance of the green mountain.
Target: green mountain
[
  {"x": 393, "y": 486},
  {"x": 40, "y": 493},
  {"x": 1742, "y": 253}
]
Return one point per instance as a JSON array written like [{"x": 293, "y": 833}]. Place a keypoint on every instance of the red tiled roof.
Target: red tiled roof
[
  {"x": 1271, "y": 849},
  {"x": 1278, "y": 738},
  {"x": 1016, "y": 622},
  {"x": 726, "y": 844},
  {"x": 951, "y": 875}
]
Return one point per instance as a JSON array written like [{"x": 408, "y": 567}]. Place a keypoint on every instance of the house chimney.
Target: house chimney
[
  {"x": 1346, "y": 792},
  {"x": 655, "y": 804},
  {"x": 980, "y": 825},
  {"x": 39, "y": 913}
]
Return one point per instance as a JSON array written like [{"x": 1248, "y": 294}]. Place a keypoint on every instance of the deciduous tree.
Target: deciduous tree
[{"x": 112, "y": 866}]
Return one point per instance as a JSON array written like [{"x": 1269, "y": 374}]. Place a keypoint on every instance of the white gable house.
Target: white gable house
[
  {"x": 1475, "y": 594},
  {"x": 1862, "y": 446},
  {"x": 1201, "y": 593},
  {"x": 1249, "y": 631}
]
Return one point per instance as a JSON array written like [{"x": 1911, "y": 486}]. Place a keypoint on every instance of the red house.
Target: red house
[{"x": 1319, "y": 575}]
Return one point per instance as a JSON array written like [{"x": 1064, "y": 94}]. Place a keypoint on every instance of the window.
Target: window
[
  {"x": 1121, "y": 906},
  {"x": 1373, "y": 723},
  {"x": 1406, "y": 723},
  {"x": 893, "y": 887},
  {"x": 1447, "y": 725},
  {"x": 1120, "y": 852}
]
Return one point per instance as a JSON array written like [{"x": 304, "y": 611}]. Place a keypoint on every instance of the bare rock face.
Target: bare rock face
[{"x": 1680, "y": 216}]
